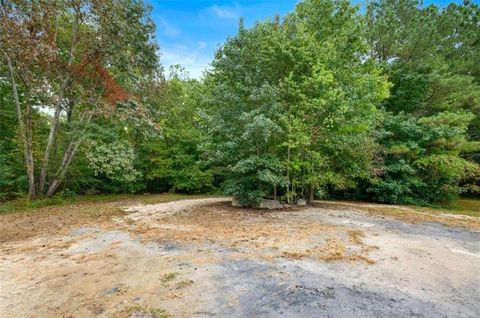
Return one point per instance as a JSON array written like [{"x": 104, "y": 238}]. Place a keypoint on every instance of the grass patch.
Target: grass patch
[
  {"x": 149, "y": 312},
  {"x": 294, "y": 255},
  {"x": 21, "y": 219},
  {"x": 167, "y": 197},
  {"x": 469, "y": 207},
  {"x": 356, "y": 236},
  {"x": 25, "y": 205},
  {"x": 168, "y": 277},
  {"x": 466, "y": 214},
  {"x": 184, "y": 283}
]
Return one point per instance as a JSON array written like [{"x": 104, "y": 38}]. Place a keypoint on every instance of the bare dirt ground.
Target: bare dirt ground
[{"x": 204, "y": 258}]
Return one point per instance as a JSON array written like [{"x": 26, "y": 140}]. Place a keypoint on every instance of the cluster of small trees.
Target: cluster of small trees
[
  {"x": 292, "y": 104},
  {"x": 326, "y": 101},
  {"x": 63, "y": 56}
]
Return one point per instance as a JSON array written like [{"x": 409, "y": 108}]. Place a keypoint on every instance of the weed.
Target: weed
[
  {"x": 294, "y": 255},
  {"x": 168, "y": 277},
  {"x": 355, "y": 236},
  {"x": 184, "y": 283},
  {"x": 151, "y": 312}
]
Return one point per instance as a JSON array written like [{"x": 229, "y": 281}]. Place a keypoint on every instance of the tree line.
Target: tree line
[{"x": 378, "y": 103}]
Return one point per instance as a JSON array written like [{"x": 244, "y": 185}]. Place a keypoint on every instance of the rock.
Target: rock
[
  {"x": 235, "y": 202},
  {"x": 138, "y": 299},
  {"x": 301, "y": 202},
  {"x": 110, "y": 291},
  {"x": 98, "y": 310},
  {"x": 270, "y": 204},
  {"x": 263, "y": 204}
]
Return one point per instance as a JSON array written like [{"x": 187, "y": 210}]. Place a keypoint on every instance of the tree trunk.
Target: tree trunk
[
  {"x": 51, "y": 139},
  {"x": 30, "y": 164},
  {"x": 58, "y": 108},
  {"x": 62, "y": 170},
  {"x": 289, "y": 200},
  {"x": 310, "y": 193},
  {"x": 275, "y": 192},
  {"x": 26, "y": 137}
]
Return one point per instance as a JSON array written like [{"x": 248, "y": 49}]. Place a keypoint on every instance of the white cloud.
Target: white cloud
[
  {"x": 202, "y": 45},
  {"x": 225, "y": 12},
  {"x": 193, "y": 61},
  {"x": 167, "y": 28}
]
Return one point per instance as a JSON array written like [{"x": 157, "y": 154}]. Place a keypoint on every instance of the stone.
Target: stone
[
  {"x": 235, "y": 202},
  {"x": 270, "y": 204},
  {"x": 301, "y": 202}
]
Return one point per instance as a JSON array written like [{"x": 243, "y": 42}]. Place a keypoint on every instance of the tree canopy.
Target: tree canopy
[{"x": 332, "y": 100}]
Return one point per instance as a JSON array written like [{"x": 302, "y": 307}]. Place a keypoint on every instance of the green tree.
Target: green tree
[
  {"x": 171, "y": 159},
  {"x": 292, "y": 102},
  {"x": 432, "y": 113},
  {"x": 11, "y": 172},
  {"x": 78, "y": 58}
]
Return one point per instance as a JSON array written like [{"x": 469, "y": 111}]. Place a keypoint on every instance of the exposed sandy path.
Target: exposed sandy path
[{"x": 202, "y": 258}]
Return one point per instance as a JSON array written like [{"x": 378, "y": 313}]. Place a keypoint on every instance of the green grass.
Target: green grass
[
  {"x": 470, "y": 207},
  {"x": 166, "y": 197},
  {"x": 25, "y": 205},
  {"x": 149, "y": 312},
  {"x": 169, "y": 277}
]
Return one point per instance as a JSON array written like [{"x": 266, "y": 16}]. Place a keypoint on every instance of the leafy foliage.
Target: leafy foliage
[
  {"x": 290, "y": 99},
  {"x": 433, "y": 108},
  {"x": 114, "y": 161},
  {"x": 327, "y": 101},
  {"x": 171, "y": 159}
]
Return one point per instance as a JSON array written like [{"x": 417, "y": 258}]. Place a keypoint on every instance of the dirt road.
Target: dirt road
[{"x": 204, "y": 258}]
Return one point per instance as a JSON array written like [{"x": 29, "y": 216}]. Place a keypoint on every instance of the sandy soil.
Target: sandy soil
[{"x": 203, "y": 258}]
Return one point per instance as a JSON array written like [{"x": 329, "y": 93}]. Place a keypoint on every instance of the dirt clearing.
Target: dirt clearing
[{"x": 204, "y": 258}]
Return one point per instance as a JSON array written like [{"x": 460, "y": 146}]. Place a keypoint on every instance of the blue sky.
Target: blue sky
[{"x": 189, "y": 31}]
